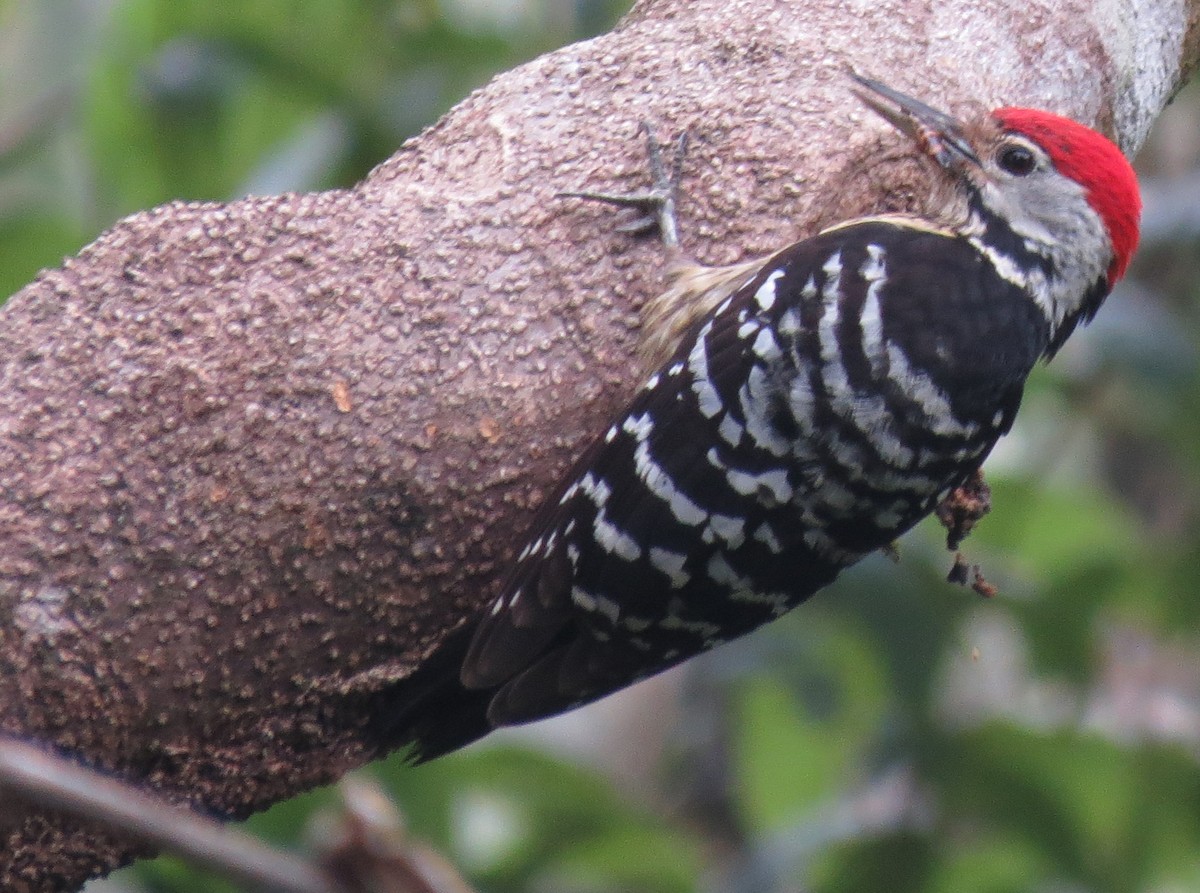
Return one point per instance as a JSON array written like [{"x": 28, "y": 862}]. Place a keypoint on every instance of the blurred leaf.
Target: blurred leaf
[
  {"x": 167, "y": 874},
  {"x": 628, "y": 858},
  {"x": 1080, "y": 800},
  {"x": 785, "y": 762},
  {"x": 795, "y": 745},
  {"x": 994, "y": 864},
  {"x": 1056, "y": 531},
  {"x": 568, "y": 818},
  {"x": 30, "y": 242},
  {"x": 897, "y": 863}
]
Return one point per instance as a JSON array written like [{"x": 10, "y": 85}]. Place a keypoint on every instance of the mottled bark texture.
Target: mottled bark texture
[{"x": 258, "y": 458}]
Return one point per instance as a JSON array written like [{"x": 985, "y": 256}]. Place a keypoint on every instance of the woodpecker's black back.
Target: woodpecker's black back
[{"x": 810, "y": 419}]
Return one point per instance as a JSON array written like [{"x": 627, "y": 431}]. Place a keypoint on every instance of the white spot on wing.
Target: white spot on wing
[
  {"x": 730, "y": 529},
  {"x": 730, "y": 431},
  {"x": 872, "y": 417},
  {"x": 888, "y": 519},
  {"x": 671, "y": 564},
  {"x": 660, "y": 484},
  {"x": 765, "y": 296},
  {"x": 639, "y": 426},
  {"x": 934, "y": 403},
  {"x": 833, "y": 270},
  {"x": 755, "y": 399},
  {"x": 774, "y": 482},
  {"x": 765, "y": 535},
  {"x": 765, "y": 347},
  {"x": 824, "y": 545},
  {"x": 708, "y": 632},
  {"x": 636, "y": 625},
  {"x": 720, "y": 572},
  {"x": 871, "y": 320},
  {"x": 595, "y": 604},
  {"x": 596, "y": 489},
  {"x": 835, "y": 496},
  {"x": 801, "y": 402},
  {"x": 613, "y": 540},
  {"x": 706, "y": 394},
  {"x": 742, "y": 589},
  {"x": 790, "y": 323}
]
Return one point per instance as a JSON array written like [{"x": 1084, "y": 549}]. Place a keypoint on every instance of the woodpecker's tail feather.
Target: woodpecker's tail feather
[{"x": 431, "y": 712}]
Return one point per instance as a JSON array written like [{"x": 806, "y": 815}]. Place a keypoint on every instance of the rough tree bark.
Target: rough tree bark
[{"x": 258, "y": 458}]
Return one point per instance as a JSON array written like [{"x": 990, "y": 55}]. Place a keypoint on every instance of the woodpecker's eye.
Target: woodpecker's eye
[{"x": 1018, "y": 160}]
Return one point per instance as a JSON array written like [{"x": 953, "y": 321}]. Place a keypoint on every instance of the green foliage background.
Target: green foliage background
[{"x": 895, "y": 734}]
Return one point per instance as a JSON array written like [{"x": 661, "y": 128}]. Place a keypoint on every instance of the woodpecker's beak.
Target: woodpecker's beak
[{"x": 939, "y": 135}]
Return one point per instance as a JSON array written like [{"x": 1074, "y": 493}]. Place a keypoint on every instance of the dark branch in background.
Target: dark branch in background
[
  {"x": 55, "y": 783},
  {"x": 361, "y": 848},
  {"x": 257, "y": 459}
]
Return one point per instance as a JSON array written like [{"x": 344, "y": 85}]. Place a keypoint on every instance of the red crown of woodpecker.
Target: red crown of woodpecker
[{"x": 1092, "y": 161}]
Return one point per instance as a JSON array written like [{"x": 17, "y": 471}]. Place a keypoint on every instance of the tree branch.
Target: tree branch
[{"x": 258, "y": 459}]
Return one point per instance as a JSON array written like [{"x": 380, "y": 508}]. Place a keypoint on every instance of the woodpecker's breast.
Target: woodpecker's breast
[{"x": 810, "y": 418}]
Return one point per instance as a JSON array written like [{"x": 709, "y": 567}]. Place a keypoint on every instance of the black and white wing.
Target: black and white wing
[{"x": 809, "y": 419}]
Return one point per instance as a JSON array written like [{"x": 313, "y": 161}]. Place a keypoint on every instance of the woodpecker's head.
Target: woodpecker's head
[{"x": 1055, "y": 201}]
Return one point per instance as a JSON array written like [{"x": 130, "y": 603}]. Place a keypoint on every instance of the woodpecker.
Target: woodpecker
[{"x": 805, "y": 410}]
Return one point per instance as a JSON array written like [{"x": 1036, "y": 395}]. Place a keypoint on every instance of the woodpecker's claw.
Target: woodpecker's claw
[
  {"x": 647, "y": 202},
  {"x": 657, "y": 203}
]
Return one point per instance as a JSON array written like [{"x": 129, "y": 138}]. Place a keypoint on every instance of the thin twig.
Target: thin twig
[{"x": 55, "y": 782}]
